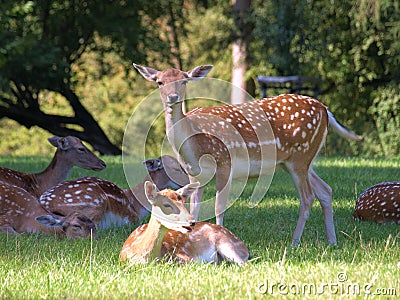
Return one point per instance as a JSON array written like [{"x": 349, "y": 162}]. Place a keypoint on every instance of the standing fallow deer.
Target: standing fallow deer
[
  {"x": 173, "y": 234},
  {"x": 70, "y": 152},
  {"x": 379, "y": 203},
  {"x": 105, "y": 203},
  {"x": 237, "y": 137},
  {"x": 21, "y": 212}
]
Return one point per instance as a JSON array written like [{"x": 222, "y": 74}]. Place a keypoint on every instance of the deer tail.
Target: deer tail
[{"x": 341, "y": 130}]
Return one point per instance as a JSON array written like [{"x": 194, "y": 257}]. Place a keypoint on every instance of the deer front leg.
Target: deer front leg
[
  {"x": 195, "y": 199},
  {"x": 223, "y": 184}
]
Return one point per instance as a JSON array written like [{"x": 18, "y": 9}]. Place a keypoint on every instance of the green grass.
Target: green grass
[{"x": 365, "y": 261}]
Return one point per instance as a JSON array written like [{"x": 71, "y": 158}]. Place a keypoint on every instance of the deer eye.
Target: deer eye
[
  {"x": 160, "y": 83},
  {"x": 81, "y": 149},
  {"x": 77, "y": 226}
]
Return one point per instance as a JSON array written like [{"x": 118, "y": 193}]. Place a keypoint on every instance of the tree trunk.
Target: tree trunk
[
  {"x": 30, "y": 115},
  {"x": 241, "y": 9}
]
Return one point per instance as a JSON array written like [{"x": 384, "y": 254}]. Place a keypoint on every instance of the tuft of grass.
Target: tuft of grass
[{"x": 366, "y": 261}]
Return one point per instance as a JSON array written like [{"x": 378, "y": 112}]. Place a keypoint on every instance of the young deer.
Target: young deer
[
  {"x": 172, "y": 233},
  {"x": 105, "y": 203},
  {"x": 299, "y": 127},
  {"x": 70, "y": 152},
  {"x": 21, "y": 212},
  {"x": 379, "y": 203}
]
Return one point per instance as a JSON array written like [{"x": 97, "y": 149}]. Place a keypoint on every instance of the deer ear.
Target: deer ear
[
  {"x": 148, "y": 73},
  {"x": 153, "y": 164},
  {"x": 49, "y": 221},
  {"x": 199, "y": 72},
  {"x": 54, "y": 140},
  {"x": 188, "y": 189},
  {"x": 63, "y": 144},
  {"x": 150, "y": 190}
]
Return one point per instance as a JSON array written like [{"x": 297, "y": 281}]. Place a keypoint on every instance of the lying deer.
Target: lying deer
[
  {"x": 105, "y": 203},
  {"x": 237, "y": 136},
  {"x": 21, "y": 212},
  {"x": 70, "y": 152},
  {"x": 379, "y": 203},
  {"x": 172, "y": 233}
]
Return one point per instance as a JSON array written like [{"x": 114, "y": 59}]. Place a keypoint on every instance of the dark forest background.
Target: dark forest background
[{"x": 66, "y": 66}]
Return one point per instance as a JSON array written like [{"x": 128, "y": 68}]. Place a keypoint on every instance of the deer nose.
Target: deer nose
[{"x": 173, "y": 98}]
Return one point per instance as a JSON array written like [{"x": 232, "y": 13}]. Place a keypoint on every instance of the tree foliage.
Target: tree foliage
[
  {"x": 41, "y": 41},
  {"x": 70, "y": 61}
]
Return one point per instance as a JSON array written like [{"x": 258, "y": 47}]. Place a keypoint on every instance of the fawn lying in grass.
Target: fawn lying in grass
[{"x": 172, "y": 233}]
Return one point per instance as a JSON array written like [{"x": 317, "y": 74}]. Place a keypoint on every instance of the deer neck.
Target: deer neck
[
  {"x": 138, "y": 198},
  {"x": 151, "y": 241},
  {"x": 57, "y": 171},
  {"x": 181, "y": 132}
]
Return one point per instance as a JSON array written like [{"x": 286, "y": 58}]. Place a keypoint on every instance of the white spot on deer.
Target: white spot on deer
[
  {"x": 296, "y": 131},
  {"x": 303, "y": 134},
  {"x": 68, "y": 195},
  {"x": 309, "y": 126},
  {"x": 252, "y": 145},
  {"x": 278, "y": 143}
]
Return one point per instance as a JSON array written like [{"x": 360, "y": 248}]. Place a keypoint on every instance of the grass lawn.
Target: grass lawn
[{"x": 366, "y": 261}]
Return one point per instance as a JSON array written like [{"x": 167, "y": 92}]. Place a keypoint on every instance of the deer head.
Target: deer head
[
  {"x": 172, "y": 82},
  {"x": 171, "y": 214},
  {"x": 74, "y": 152},
  {"x": 75, "y": 225}
]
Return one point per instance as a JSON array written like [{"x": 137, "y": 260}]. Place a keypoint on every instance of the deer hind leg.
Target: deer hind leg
[
  {"x": 324, "y": 194},
  {"x": 6, "y": 227},
  {"x": 233, "y": 250},
  {"x": 303, "y": 186}
]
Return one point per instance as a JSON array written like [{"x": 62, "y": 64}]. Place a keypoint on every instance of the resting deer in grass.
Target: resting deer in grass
[
  {"x": 172, "y": 233},
  {"x": 299, "y": 126},
  {"x": 379, "y": 203},
  {"x": 70, "y": 152},
  {"x": 21, "y": 212},
  {"x": 105, "y": 203}
]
